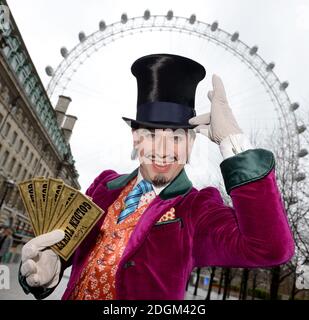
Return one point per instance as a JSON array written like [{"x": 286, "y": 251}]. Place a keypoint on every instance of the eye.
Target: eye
[
  {"x": 148, "y": 135},
  {"x": 178, "y": 138}
]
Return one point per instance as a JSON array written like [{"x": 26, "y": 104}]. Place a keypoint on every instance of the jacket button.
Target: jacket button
[{"x": 129, "y": 264}]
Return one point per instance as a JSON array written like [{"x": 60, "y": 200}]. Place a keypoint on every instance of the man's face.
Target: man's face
[{"x": 162, "y": 153}]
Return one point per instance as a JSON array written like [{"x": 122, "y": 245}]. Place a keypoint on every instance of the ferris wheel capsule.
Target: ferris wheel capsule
[
  {"x": 146, "y": 14},
  {"x": 300, "y": 176},
  {"x": 192, "y": 19},
  {"x": 283, "y": 85},
  {"x": 102, "y": 25},
  {"x": 302, "y": 153},
  {"x": 301, "y": 128},
  {"x": 214, "y": 26},
  {"x": 270, "y": 66},
  {"x": 82, "y": 36},
  {"x": 253, "y": 50},
  {"x": 124, "y": 18},
  {"x": 294, "y": 106},
  {"x": 170, "y": 15},
  {"x": 235, "y": 36},
  {"x": 64, "y": 52},
  {"x": 49, "y": 71}
]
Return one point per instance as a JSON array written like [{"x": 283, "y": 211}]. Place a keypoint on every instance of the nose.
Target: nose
[
  {"x": 162, "y": 148},
  {"x": 160, "y": 144}
]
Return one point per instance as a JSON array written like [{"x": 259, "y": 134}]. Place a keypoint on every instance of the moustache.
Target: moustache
[{"x": 165, "y": 159}]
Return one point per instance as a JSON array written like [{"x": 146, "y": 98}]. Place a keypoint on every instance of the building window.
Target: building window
[
  {"x": 26, "y": 152},
  {"x": 35, "y": 163},
  {"x": 20, "y": 145},
  {"x": 39, "y": 170},
  {"x": 44, "y": 171},
  {"x": 14, "y": 137},
  {"x": 1, "y": 118},
  {"x": 18, "y": 170},
  {"x": 7, "y": 129},
  {"x": 31, "y": 158},
  {"x": 12, "y": 164},
  {"x": 5, "y": 158},
  {"x": 24, "y": 175}
]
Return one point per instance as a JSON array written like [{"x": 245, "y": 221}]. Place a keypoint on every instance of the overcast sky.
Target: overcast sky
[{"x": 103, "y": 89}]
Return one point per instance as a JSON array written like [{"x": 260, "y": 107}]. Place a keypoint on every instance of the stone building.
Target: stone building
[{"x": 34, "y": 137}]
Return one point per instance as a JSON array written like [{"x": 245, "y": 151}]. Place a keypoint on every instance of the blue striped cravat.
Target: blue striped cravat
[{"x": 132, "y": 199}]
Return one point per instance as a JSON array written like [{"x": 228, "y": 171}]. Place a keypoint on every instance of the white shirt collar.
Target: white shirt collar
[{"x": 157, "y": 190}]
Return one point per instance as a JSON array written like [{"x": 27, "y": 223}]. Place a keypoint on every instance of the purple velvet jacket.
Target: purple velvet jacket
[{"x": 159, "y": 258}]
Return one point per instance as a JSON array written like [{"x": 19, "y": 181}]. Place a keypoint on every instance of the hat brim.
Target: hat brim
[{"x": 135, "y": 124}]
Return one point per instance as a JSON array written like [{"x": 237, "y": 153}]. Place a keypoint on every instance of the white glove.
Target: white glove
[
  {"x": 41, "y": 268},
  {"x": 234, "y": 144},
  {"x": 220, "y": 121}
]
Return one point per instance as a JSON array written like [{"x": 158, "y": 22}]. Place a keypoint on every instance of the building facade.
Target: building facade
[{"x": 34, "y": 136}]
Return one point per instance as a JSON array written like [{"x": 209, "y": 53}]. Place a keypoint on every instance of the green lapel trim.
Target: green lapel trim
[
  {"x": 245, "y": 167},
  {"x": 181, "y": 185},
  {"x": 121, "y": 181}
]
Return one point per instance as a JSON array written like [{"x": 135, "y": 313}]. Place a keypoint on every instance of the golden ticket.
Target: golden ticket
[
  {"x": 79, "y": 218},
  {"x": 41, "y": 194},
  {"x": 66, "y": 196},
  {"x": 27, "y": 193},
  {"x": 55, "y": 187}
]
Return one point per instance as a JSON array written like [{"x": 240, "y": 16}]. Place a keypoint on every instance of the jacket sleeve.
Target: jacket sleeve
[{"x": 255, "y": 231}]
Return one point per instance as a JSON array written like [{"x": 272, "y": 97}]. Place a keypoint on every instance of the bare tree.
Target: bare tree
[
  {"x": 211, "y": 280},
  {"x": 243, "y": 290},
  {"x": 196, "y": 285}
]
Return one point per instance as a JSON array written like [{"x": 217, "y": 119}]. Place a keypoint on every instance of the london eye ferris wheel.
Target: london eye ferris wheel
[{"x": 255, "y": 93}]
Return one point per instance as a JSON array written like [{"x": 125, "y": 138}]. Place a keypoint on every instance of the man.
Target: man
[
  {"x": 6, "y": 242},
  {"x": 157, "y": 227}
]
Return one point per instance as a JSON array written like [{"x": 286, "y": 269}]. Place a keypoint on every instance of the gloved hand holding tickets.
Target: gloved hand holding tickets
[
  {"x": 41, "y": 266},
  {"x": 53, "y": 205}
]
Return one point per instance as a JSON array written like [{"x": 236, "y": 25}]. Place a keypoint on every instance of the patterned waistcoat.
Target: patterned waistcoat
[{"x": 97, "y": 280}]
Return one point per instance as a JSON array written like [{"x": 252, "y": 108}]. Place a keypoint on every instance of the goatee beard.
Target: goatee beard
[{"x": 159, "y": 181}]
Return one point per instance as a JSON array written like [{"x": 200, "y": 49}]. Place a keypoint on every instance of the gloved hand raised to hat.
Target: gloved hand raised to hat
[{"x": 220, "y": 121}]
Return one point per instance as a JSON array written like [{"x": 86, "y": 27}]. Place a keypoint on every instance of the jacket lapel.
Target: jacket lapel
[{"x": 181, "y": 185}]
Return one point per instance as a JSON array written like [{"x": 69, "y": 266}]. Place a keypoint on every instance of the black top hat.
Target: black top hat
[{"x": 166, "y": 91}]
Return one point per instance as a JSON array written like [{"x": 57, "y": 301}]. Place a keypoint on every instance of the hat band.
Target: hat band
[{"x": 160, "y": 111}]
